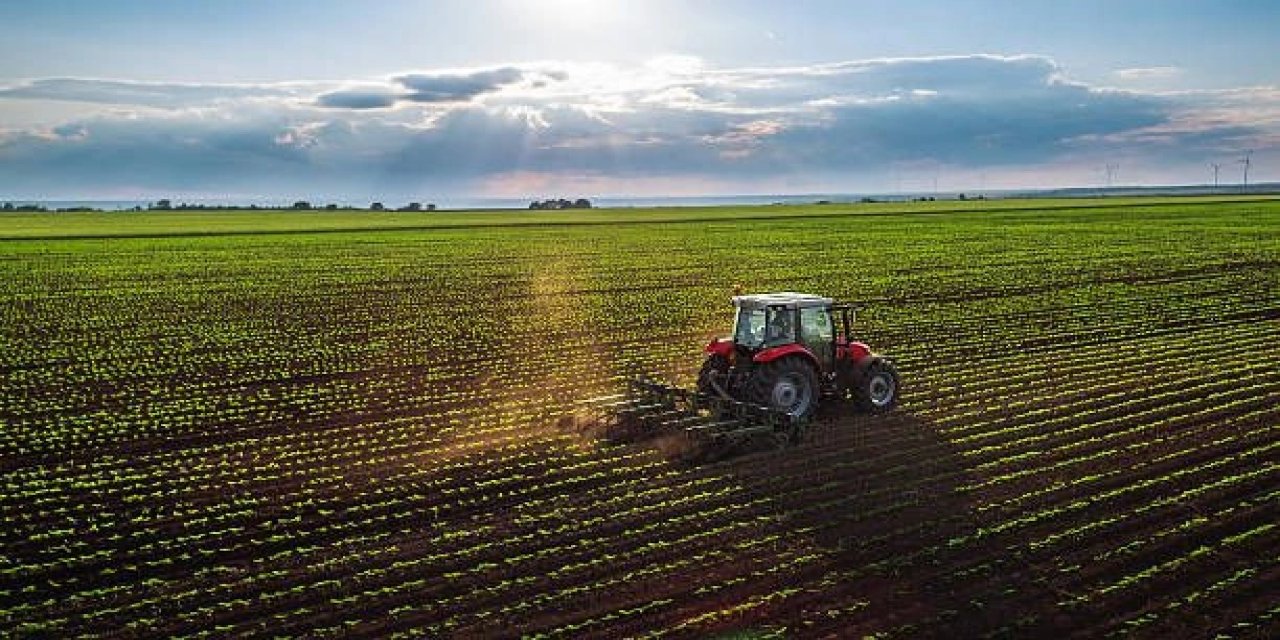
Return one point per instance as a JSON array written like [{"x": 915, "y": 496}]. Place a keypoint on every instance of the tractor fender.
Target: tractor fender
[
  {"x": 719, "y": 347},
  {"x": 854, "y": 352},
  {"x": 769, "y": 355}
]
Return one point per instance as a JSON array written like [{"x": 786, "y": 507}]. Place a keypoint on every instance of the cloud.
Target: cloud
[
  {"x": 358, "y": 99},
  {"x": 185, "y": 152},
  {"x": 436, "y": 88},
  {"x": 456, "y": 87},
  {"x": 143, "y": 94},
  {"x": 1148, "y": 73},
  {"x": 1207, "y": 123},
  {"x": 674, "y": 121}
]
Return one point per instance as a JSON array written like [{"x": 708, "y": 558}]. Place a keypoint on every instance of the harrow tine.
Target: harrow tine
[
  {"x": 709, "y": 422},
  {"x": 613, "y": 397}
]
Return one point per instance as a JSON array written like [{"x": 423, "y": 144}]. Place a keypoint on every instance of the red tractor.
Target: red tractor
[
  {"x": 784, "y": 359},
  {"x": 786, "y": 354}
]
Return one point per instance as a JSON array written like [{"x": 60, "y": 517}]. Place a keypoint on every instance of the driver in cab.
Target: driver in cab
[{"x": 779, "y": 327}]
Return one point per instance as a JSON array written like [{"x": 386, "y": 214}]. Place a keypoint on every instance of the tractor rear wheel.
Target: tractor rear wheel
[
  {"x": 876, "y": 390},
  {"x": 789, "y": 385}
]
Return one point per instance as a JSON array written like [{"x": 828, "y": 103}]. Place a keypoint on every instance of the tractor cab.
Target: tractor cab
[{"x": 768, "y": 321}]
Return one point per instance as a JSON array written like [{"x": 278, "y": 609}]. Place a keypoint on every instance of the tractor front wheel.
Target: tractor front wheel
[
  {"x": 876, "y": 390},
  {"x": 789, "y": 385}
]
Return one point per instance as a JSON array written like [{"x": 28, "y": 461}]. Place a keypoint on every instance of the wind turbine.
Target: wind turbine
[
  {"x": 1246, "y": 161},
  {"x": 1216, "y": 167},
  {"x": 1111, "y": 172}
]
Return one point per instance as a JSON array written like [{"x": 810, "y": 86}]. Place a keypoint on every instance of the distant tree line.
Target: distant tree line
[
  {"x": 10, "y": 207},
  {"x": 300, "y": 205},
  {"x": 165, "y": 204},
  {"x": 412, "y": 206},
  {"x": 561, "y": 203}
]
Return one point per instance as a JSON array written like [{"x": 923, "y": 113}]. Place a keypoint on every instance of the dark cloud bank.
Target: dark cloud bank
[{"x": 454, "y": 130}]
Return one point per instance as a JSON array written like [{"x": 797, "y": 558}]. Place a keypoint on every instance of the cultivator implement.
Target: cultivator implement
[{"x": 708, "y": 420}]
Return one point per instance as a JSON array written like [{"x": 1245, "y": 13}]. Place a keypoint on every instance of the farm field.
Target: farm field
[{"x": 245, "y": 426}]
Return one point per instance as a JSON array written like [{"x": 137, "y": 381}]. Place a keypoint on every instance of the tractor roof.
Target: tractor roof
[{"x": 789, "y": 299}]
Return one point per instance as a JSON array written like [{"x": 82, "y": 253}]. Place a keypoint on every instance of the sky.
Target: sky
[{"x": 344, "y": 100}]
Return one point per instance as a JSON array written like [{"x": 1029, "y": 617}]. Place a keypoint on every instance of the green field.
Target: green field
[
  {"x": 181, "y": 223},
  {"x": 350, "y": 424}
]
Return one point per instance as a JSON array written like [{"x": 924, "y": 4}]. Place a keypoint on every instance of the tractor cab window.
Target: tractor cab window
[
  {"x": 815, "y": 325},
  {"x": 756, "y": 328},
  {"x": 817, "y": 333},
  {"x": 780, "y": 327},
  {"x": 749, "y": 328}
]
